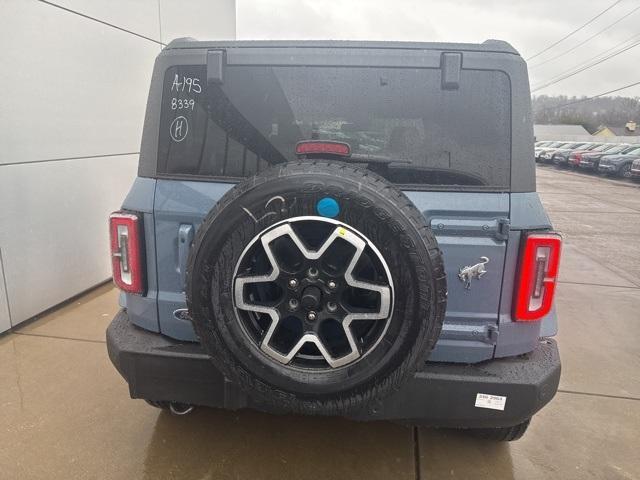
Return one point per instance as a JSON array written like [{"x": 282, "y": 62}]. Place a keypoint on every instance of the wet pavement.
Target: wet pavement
[{"x": 65, "y": 412}]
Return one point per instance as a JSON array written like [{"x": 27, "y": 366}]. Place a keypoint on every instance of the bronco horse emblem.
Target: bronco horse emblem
[{"x": 470, "y": 272}]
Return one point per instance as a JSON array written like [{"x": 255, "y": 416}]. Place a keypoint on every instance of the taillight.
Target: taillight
[
  {"x": 573, "y": 159},
  {"x": 539, "y": 263},
  {"x": 126, "y": 252},
  {"x": 309, "y": 147}
]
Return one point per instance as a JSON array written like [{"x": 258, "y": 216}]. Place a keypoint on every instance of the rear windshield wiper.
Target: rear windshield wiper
[{"x": 381, "y": 159}]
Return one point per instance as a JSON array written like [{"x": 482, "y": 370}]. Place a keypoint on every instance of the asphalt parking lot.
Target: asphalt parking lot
[{"x": 66, "y": 413}]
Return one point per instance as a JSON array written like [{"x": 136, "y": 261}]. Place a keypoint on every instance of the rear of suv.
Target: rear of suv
[{"x": 339, "y": 228}]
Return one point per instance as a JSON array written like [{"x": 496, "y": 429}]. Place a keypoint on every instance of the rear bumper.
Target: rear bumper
[
  {"x": 444, "y": 395},
  {"x": 589, "y": 165}
]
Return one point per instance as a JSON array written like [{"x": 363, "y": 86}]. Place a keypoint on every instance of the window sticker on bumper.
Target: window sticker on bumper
[{"x": 494, "y": 402}]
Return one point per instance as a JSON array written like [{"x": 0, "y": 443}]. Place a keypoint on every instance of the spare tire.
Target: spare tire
[{"x": 317, "y": 287}]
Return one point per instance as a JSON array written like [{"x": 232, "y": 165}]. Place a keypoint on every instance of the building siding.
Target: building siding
[{"x": 76, "y": 80}]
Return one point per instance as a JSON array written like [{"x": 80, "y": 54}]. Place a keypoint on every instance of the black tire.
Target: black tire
[
  {"x": 372, "y": 206},
  {"x": 502, "y": 434}
]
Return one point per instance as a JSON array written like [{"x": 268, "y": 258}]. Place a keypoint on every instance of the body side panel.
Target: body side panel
[
  {"x": 178, "y": 205},
  {"x": 143, "y": 310}
]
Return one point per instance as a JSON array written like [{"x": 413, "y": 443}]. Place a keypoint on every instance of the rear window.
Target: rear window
[{"x": 398, "y": 122}]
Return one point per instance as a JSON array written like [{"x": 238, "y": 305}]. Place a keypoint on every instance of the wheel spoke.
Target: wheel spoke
[
  {"x": 383, "y": 290},
  {"x": 241, "y": 282},
  {"x": 313, "y": 339},
  {"x": 385, "y": 299}
]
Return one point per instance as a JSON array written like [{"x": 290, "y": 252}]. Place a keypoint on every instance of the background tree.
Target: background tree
[{"x": 610, "y": 111}]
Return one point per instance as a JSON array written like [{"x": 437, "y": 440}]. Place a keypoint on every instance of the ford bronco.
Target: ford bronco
[{"x": 339, "y": 228}]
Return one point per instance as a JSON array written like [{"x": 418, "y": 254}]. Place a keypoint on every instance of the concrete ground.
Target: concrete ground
[{"x": 65, "y": 412}]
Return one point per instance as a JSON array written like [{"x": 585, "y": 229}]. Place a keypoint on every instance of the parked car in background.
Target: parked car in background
[
  {"x": 542, "y": 144},
  {"x": 561, "y": 156},
  {"x": 619, "y": 164},
  {"x": 635, "y": 170},
  {"x": 547, "y": 155},
  {"x": 540, "y": 150},
  {"x": 576, "y": 157},
  {"x": 591, "y": 160}
]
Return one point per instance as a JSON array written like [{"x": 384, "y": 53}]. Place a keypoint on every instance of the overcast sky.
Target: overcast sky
[{"x": 529, "y": 26}]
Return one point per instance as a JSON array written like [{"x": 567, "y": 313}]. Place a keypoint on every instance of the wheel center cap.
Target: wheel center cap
[{"x": 311, "y": 297}]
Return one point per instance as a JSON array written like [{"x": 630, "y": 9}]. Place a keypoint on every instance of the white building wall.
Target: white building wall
[{"x": 74, "y": 82}]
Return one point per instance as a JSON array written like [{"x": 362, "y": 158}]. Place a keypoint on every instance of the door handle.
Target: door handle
[{"x": 185, "y": 237}]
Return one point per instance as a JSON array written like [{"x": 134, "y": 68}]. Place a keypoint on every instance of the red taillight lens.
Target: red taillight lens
[
  {"x": 539, "y": 263},
  {"x": 126, "y": 252},
  {"x": 309, "y": 147}
]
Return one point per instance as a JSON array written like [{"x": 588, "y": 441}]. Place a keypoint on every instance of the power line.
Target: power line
[
  {"x": 587, "y": 40},
  {"x": 604, "y": 52},
  {"x": 75, "y": 12},
  {"x": 585, "y": 65},
  {"x": 572, "y": 71},
  {"x": 582, "y": 100},
  {"x": 600, "y": 55},
  {"x": 576, "y": 30},
  {"x": 578, "y": 69}
]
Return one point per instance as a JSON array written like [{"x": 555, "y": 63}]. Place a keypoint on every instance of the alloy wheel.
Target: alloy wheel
[{"x": 312, "y": 292}]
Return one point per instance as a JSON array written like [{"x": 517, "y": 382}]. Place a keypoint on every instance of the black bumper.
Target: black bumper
[
  {"x": 444, "y": 395},
  {"x": 589, "y": 166}
]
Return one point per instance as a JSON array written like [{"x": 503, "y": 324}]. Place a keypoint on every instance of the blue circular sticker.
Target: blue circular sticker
[{"x": 328, "y": 207}]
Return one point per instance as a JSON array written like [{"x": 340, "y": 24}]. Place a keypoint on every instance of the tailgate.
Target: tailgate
[{"x": 468, "y": 226}]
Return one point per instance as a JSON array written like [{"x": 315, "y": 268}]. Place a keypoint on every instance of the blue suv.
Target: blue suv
[{"x": 339, "y": 228}]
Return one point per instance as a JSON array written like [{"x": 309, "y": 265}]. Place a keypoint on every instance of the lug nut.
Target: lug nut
[
  {"x": 312, "y": 272},
  {"x": 332, "y": 285},
  {"x": 293, "y": 304},
  {"x": 293, "y": 283},
  {"x": 311, "y": 316},
  {"x": 332, "y": 307}
]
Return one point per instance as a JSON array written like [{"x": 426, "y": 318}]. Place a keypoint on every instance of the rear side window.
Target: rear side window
[{"x": 398, "y": 121}]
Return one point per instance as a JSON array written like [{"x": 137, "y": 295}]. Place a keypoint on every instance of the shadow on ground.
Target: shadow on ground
[{"x": 215, "y": 444}]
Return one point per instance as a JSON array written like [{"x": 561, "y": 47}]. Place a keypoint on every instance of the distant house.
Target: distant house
[
  {"x": 558, "y": 132},
  {"x": 631, "y": 129}
]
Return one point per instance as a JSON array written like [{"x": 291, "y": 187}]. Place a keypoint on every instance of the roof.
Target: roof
[
  {"x": 622, "y": 131},
  {"x": 496, "y": 46},
  {"x": 539, "y": 130}
]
